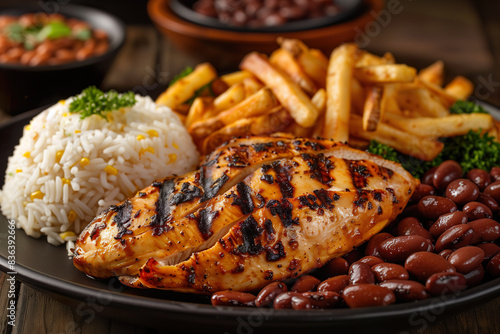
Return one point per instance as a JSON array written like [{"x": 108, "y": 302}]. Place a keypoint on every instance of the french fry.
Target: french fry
[
  {"x": 274, "y": 121},
  {"x": 447, "y": 100},
  {"x": 433, "y": 73},
  {"x": 389, "y": 58},
  {"x": 232, "y": 96},
  {"x": 357, "y": 95},
  {"x": 313, "y": 62},
  {"x": 385, "y": 73},
  {"x": 448, "y": 126},
  {"x": 283, "y": 60},
  {"x": 235, "y": 77},
  {"x": 319, "y": 101},
  {"x": 252, "y": 86},
  {"x": 286, "y": 91},
  {"x": 416, "y": 146},
  {"x": 372, "y": 109},
  {"x": 184, "y": 88},
  {"x": 198, "y": 108},
  {"x": 460, "y": 88},
  {"x": 422, "y": 102},
  {"x": 358, "y": 143},
  {"x": 338, "y": 91},
  {"x": 255, "y": 105},
  {"x": 389, "y": 102},
  {"x": 369, "y": 59}
]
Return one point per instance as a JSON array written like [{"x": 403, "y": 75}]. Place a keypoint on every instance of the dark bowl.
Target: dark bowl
[
  {"x": 348, "y": 9},
  {"x": 225, "y": 48},
  {"x": 24, "y": 87}
]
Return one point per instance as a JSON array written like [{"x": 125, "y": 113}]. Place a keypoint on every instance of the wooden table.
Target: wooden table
[{"x": 465, "y": 34}]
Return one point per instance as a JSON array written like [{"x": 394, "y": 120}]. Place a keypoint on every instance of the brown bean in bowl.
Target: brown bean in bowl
[{"x": 35, "y": 39}]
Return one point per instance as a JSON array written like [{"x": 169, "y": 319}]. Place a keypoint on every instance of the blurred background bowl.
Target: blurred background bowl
[
  {"x": 28, "y": 87},
  {"x": 225, "y": 46}
]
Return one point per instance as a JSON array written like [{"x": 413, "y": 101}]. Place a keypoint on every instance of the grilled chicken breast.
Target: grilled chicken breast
[{"x": 258, "y": 209}]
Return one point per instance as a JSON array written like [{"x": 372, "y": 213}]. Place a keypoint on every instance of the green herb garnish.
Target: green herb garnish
[
  {"x": 185, "y": 72},
  {"x": 83, "y": 34},
  {"x": 93, "y": 101},
  {"x": 53, "y": 30},
  {"x": 466, "y": 107}
]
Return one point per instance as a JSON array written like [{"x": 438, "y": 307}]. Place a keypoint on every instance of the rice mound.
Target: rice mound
[{"x": 66, "y": 170}]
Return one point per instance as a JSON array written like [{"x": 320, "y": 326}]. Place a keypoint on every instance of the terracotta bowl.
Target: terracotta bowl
[{"x": 225, "y": 48}]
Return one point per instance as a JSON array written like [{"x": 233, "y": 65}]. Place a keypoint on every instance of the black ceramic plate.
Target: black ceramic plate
[
  {"x": 347, "y": 10},
  {"x": 47, "y": 268}
]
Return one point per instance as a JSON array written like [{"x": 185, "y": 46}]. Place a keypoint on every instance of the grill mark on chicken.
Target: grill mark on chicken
[
  {"x": 250, "y": 230},
  {"x": 309, "y": 200},
  {"x": 394, "y": 198},
  {"x": 361, "y": 199},
  {"x": 283, "y": 210},
  {"x": 97, "y": 230},
  {"x": 204, "y": 221},
  {"x": 122, "y": 218},
  {"x": 319, "y": 166},
  {"x": 283, "y": 178},
  {"x": 162, "y": 206},
  {"x": 267, "y": 178},
  {"x": 275, "y": 252},
  {"x": 359, "y": 173},
  {"x": 211, "y": 189},
  {"x": 259, "y": 147},
  {"x": 326, "y": 201},
  {"x": 187, "y": 193},
  {"x": 243, "y": 198}
]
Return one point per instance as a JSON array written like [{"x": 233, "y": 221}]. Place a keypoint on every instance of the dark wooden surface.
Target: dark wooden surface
[{"x": 464, "y": 34}]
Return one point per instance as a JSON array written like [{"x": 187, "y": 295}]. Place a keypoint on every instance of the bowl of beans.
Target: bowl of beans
[
  {"x": 48, "y": 56},
  {"x": 223, "y": 31},
  {"x": 442, "y": 251}
]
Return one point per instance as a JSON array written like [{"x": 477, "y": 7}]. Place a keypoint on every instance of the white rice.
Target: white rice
[{"x": 48, "y": 191}]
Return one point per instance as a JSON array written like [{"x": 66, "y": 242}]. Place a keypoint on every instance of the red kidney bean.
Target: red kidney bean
[
  {"x": 353, "y": 256},
  {"x": 495, "y": 173},
  {"x": 428, "y": 177},
  {"x": 446, "y": 221},
  {"x": 462, "y": 191},
  {"x": 335, "y": 284},
  {"x": 232, "y": 298},
  {"x": 466, "y": 259},
  {"x": 421, "y": 191},
  {"x": 439, "y": 284},
  {"x": 475, "y": 276},
  {"x": 484, "y": 230},
  {"x": 361, "y": 273},
  {"x": 317, "y": 299},
  {"x": 397, "y": 249},
  {"x": 455, "y": 237},
  {"x": 493, "y": 266},
  {"x": 370, "y": 260},
  {"x": 422, "y": 265},
  {"x": 411, "y": 226},
  {"x": 480, "y": 177},
  {"x": 268, "y": 293},
  {"x": 490, "y": 249},
  {"x": 364, "y": 295},
  {"x": 493, "y": 190},
  {"x": 389, "y": 271},
  {"x": 373, "y": 244},
  {"x": 445, "y": 254},
  {"x": 431, "y": 207},
  {"x": 489, "y": 202},
  {"x": 305, "y": 283},
  {"x": 476, "y": 210},
  {"x": 406, "y": 290},
  {"x": 284, "y": 300},
  {"x": 334, "y": 267},
  {"x": 448, "y": 171}
]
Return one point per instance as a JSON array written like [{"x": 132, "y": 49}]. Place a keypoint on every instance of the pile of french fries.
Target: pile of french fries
[{"x": 353, "y": 96}]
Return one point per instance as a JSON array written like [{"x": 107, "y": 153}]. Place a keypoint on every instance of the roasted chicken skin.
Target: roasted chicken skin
[{"x": 257, "y": 210}]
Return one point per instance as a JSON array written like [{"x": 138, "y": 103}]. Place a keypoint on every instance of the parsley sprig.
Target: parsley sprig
[{"x": 93, "y": 101}]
